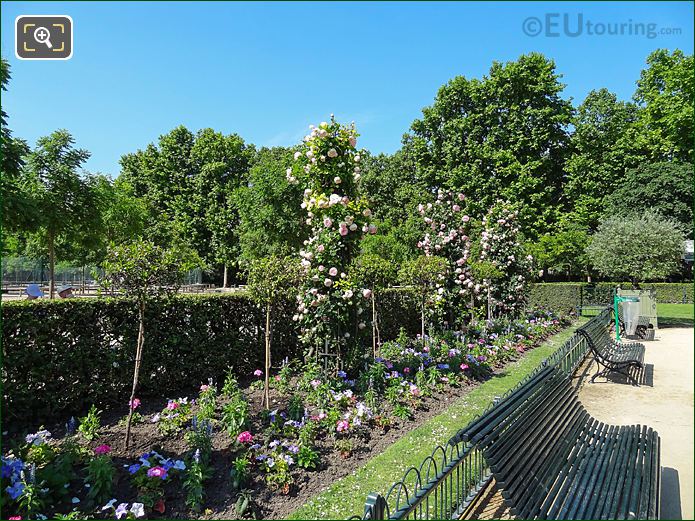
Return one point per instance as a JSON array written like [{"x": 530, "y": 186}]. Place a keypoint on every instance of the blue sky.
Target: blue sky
[{"x": 268, "y": 70}]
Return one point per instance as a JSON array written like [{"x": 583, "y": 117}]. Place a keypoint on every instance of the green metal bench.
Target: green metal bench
[
  {"x": 640, "y": 330},
  {"x": 614, "y": 357},
  {"x": 552, "y": 460}
]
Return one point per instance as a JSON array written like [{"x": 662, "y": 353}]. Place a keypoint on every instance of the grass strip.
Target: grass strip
[{"x": 346, "y": 496}]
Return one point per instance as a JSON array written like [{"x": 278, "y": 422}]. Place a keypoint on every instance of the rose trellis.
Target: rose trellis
[
  {"x": 331, "y": 306},
  {"x": 500, "y": 245},
  {"x": 448, "y": 236}
]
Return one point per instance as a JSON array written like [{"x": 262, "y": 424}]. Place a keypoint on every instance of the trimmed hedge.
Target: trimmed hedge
[
  {"x": 563, "y": 297},
  {"x": 61, "y": 356}
]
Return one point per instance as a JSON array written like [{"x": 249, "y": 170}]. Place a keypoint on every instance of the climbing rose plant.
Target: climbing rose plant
[
  {"x": 331, "y": 305},
  {"x": 501, "y": 246},
  {"x": 448, "y": 236}
]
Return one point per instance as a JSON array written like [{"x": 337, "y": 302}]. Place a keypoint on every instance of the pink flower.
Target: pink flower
[
  {"x": 204, "y": 388},
  {"x": 327, "y": 222},
  {"x": 157, "y": 472},
  {"x": 464, "y": 367},
  {"x": 456, "y": 208},
  {"x": 258, "y": 372},
  {"x": 245, "y": 437},
  {"x": 320, "y": 248},
  {"x": 465, "y": 218},
  {"x": 328, "y": 283},
  {"x": 13, "y": 518},
  {"x": 461, "y": 197},
  {"x": 172, "y": 405},
  {"x": 135, "y": 403},
  {"x": 343, "y": 231},
  {"x": 367, "y": 293},
  {"x": 414, "y": 390},
  {"x": 342, "y": 425},
  {"x": 333, "y": 272},
  {"x": 277, "y": 377},
  {"x": 102, "y": 449},
  {"x": 406, "y": 370},
  {"x": 372, "y": 229}
]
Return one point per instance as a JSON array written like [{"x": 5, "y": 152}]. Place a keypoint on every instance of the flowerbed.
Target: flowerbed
[{"x": 221, "y": 455}]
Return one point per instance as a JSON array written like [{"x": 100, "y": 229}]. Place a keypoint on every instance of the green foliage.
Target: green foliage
[
  {"x": 199, "y": 438},
  {"x": 637, "y": 248},
  {"x": 174, "y": 417},
  {"x": 561, "y": 253},
  {"x": 240, "y": 472},
  {"x": 423, "y": 273},
  {"x": 272, "y": 223},
  {"x": 235, "y": 416},
  {"x": 502, "y": 136},
  {"x": 207, "y": 402},
  {"x": 197, "y": 472},
  {"x": 307, "y": 458},
  {"x": 665, "y": 94},
  {"x": 100, "y": 474},
  {"x": 90, "y": 424},
  {"x": 93, "y": 342},
  {"x": 665, "y": 187},
  {"x": 231, "y": 386},
  {"x": 604, "y": 145},
  {"x": 373, "y": 271}
]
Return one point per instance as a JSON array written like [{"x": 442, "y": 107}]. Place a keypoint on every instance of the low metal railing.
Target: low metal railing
[{"x": 448, "y": 480}]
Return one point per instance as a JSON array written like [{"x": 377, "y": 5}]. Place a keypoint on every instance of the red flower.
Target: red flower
[
  {"x": 159, "y": 506},
  {"x": 102, "y": 449}
]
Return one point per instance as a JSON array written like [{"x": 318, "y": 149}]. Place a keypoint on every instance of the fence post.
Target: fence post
[{"x": 375, "y": 507}]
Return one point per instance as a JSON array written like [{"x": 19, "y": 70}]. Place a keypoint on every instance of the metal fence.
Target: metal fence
[{"x": 448, "y": 480}]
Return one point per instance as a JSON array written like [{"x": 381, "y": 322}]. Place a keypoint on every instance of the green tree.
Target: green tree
[
  {"x": 502, "y": 136},
  {"x": 604, "y": 145},
  {"x": 271, "y": 221},
  {"x": 142, "y": 271},
  {"x": 637, "y": 247},
  {"x": 665, "y": 93},
  {"x": 666, "y": 188},
  {"x": 187, "y": 182},
  {"x": 561, "y": 253},
  {"x": 376, "y": 273},
  {"x": 272, "y": 280},
  {"x": 427, "y": 274},
  {"x": 64, "y": 196},
  {"x": 18, "y": 210}
]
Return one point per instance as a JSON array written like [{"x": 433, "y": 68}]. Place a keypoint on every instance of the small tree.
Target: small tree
[
  {"x": 272, "y": 280},
  {"x": 375, "y": 273},
  {"x": 428, "y": 275},
  {"x": 142, "y": 271},
  {"x": 637, "y": 247}
]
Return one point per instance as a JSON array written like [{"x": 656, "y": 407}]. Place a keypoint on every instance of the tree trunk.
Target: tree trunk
[
  {"x": 373, "y": 323},
  {"x": 84, "y": 282},
  {"x": 422, "y": 319},
  {"x": 266, "y": 390},
  {"x": 51, "y": 265},
  {"x": 224, "y": 280},
  {"x": 136, "y": 372},
  {"x": 489, "y": 304},
  {"x": 635, "y": 283}
]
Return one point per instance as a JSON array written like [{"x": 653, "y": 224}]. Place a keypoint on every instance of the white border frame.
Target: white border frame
[{"x": 72, "y": 36}]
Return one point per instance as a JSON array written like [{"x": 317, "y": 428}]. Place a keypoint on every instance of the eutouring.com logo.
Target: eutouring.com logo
[{"x": 555, "y": 25}]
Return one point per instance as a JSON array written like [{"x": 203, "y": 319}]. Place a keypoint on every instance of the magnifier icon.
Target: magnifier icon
[{"x": 43, "y": 35}]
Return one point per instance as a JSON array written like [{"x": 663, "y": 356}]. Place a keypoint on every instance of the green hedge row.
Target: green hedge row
[
  {"x": 567, "y": 296},
  {"x": 61, "y": 356}
]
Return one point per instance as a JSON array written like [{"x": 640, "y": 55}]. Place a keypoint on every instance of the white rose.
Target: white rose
[
  {"x": 332, "y": 153},
  {"x": 297, "y": 155}
]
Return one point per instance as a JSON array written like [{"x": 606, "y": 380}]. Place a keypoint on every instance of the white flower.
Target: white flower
[
  {"x": 332, "y": 153},
  {"x": 361, "y": 325},
  {"x": 353, "y": 227},
  {"x": 138, "y": 509},
  {"x": 297, "y": 155},
  {"x": 328, "y": 283},
  {"x": 337, "y": 180},
  {"x": 357, "y": 158},
  {"x": 108, "y": 505},
  {"x": 309, "y": 154},
  {"x": 367, "y": 212},
  {"x": 357, "y": 177},
  {"x": 75, "y": 500}
]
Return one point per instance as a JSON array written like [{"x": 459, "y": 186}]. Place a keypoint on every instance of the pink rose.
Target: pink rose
[
  {"x": 320, "y": 248},
  {"x": 333, "y": 272},
  {"x": 367, "y": 293},
  {"x": 327, "y": 222},
  {"x": 343, "y": 231},
  {"x": 372, "y": 229}
]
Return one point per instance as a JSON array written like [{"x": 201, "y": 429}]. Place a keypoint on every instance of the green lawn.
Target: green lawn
[
  {"x": 675, "y": 314},
  {"x": 346, "y": 497}
]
